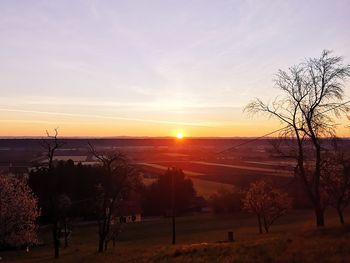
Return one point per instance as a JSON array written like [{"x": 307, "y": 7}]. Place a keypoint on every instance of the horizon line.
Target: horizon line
[{"x": 143, "y": 137}]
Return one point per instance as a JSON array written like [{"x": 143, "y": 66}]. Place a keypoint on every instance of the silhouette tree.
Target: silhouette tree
[
  {"x": 157, "y": 198},
  {"x": 119, "y": 178},
  {"x": 50, "y": 145},
  {"x": 170, "y": 195},
  {"x": 68, "y": 179},
  {"x": 312, "y": 97}
]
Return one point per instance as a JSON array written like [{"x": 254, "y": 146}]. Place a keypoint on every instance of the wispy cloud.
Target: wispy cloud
[{"x": 89, "y": 116}]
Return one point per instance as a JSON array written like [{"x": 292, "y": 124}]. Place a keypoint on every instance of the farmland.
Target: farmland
[
  {"x": 198, "y": 158},
  {"x": 209, "y": 177}
]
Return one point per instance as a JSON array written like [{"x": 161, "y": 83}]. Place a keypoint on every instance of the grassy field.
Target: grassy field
[
  {"x": 207, "y": 188},
  {"x": 292, "y": 239}
]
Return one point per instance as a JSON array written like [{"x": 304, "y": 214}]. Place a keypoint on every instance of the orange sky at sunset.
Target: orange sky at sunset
[
  {"x": 125, "y": 68},
  {"x": 102, "y": 127}
]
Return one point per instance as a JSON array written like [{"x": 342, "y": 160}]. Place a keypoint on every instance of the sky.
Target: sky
[{"x": 155, "y": 68}]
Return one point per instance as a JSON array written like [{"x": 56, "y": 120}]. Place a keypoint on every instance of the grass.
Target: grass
[
  {"x": 292, "y": 239},
  {"x": 207, "y": 188}
]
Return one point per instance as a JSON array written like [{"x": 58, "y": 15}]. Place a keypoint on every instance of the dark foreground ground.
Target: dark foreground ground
[{"x": 292, "y": 239}]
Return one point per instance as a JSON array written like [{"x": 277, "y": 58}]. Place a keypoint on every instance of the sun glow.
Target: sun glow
[{"x": 179, "y": 135}]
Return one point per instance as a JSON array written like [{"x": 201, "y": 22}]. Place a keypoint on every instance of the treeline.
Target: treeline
[{"x": 80, "y": 184}]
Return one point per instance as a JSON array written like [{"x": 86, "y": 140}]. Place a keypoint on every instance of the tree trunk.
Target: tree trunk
[
  {"x": 101, "y": 244},
  {"x": 102, "y": 234},
  {"x": 317, "y": 175},
  {"x": 173, "y": 208},
  {"x": 55, "y": 237},
  {"x": 266, "y": 227},
  {"x": 319, "y": 216},
  {"x": 56, "y": 240},
  {"x": 106, "y": 245},
  {"x": 341, "y": 216},
  {"x": 65, "y": 233},
  {"x": 259, "y": 223}
]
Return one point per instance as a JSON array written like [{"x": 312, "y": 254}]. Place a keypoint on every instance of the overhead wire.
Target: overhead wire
[{"x": 273, "y": 132}]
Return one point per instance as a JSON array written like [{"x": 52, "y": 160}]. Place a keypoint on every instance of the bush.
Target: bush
[
  {"x": 18, "y": 213},
  {"x": 226, "y": 201}
]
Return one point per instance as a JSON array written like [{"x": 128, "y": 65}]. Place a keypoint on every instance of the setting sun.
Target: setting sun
[{"x": 179, "y": 135}]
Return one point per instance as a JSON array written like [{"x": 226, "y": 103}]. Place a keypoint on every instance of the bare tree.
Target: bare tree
[
  {"x": 50, "y": 145},
  {"x": 119, "y": 177},
  {"x": 312, "y": 97}
]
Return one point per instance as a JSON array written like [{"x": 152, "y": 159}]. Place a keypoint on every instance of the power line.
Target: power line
[
  {"x": 280, "y": 129},
  {"x": 252, "y": 140}
]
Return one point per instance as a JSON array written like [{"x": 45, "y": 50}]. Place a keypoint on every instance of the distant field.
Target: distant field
[
  {"x": 249, "y": 167},
  {"x": 292, "y": 239},
  {"x": 238, "y": 174},
  {"x": 274, "y": 163},
  {"x": 202, "y": 167},
  {"x": 203, "y": 188},
  {"x": 164, "y": 168},
  {"x": 175, "y": 154}
]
